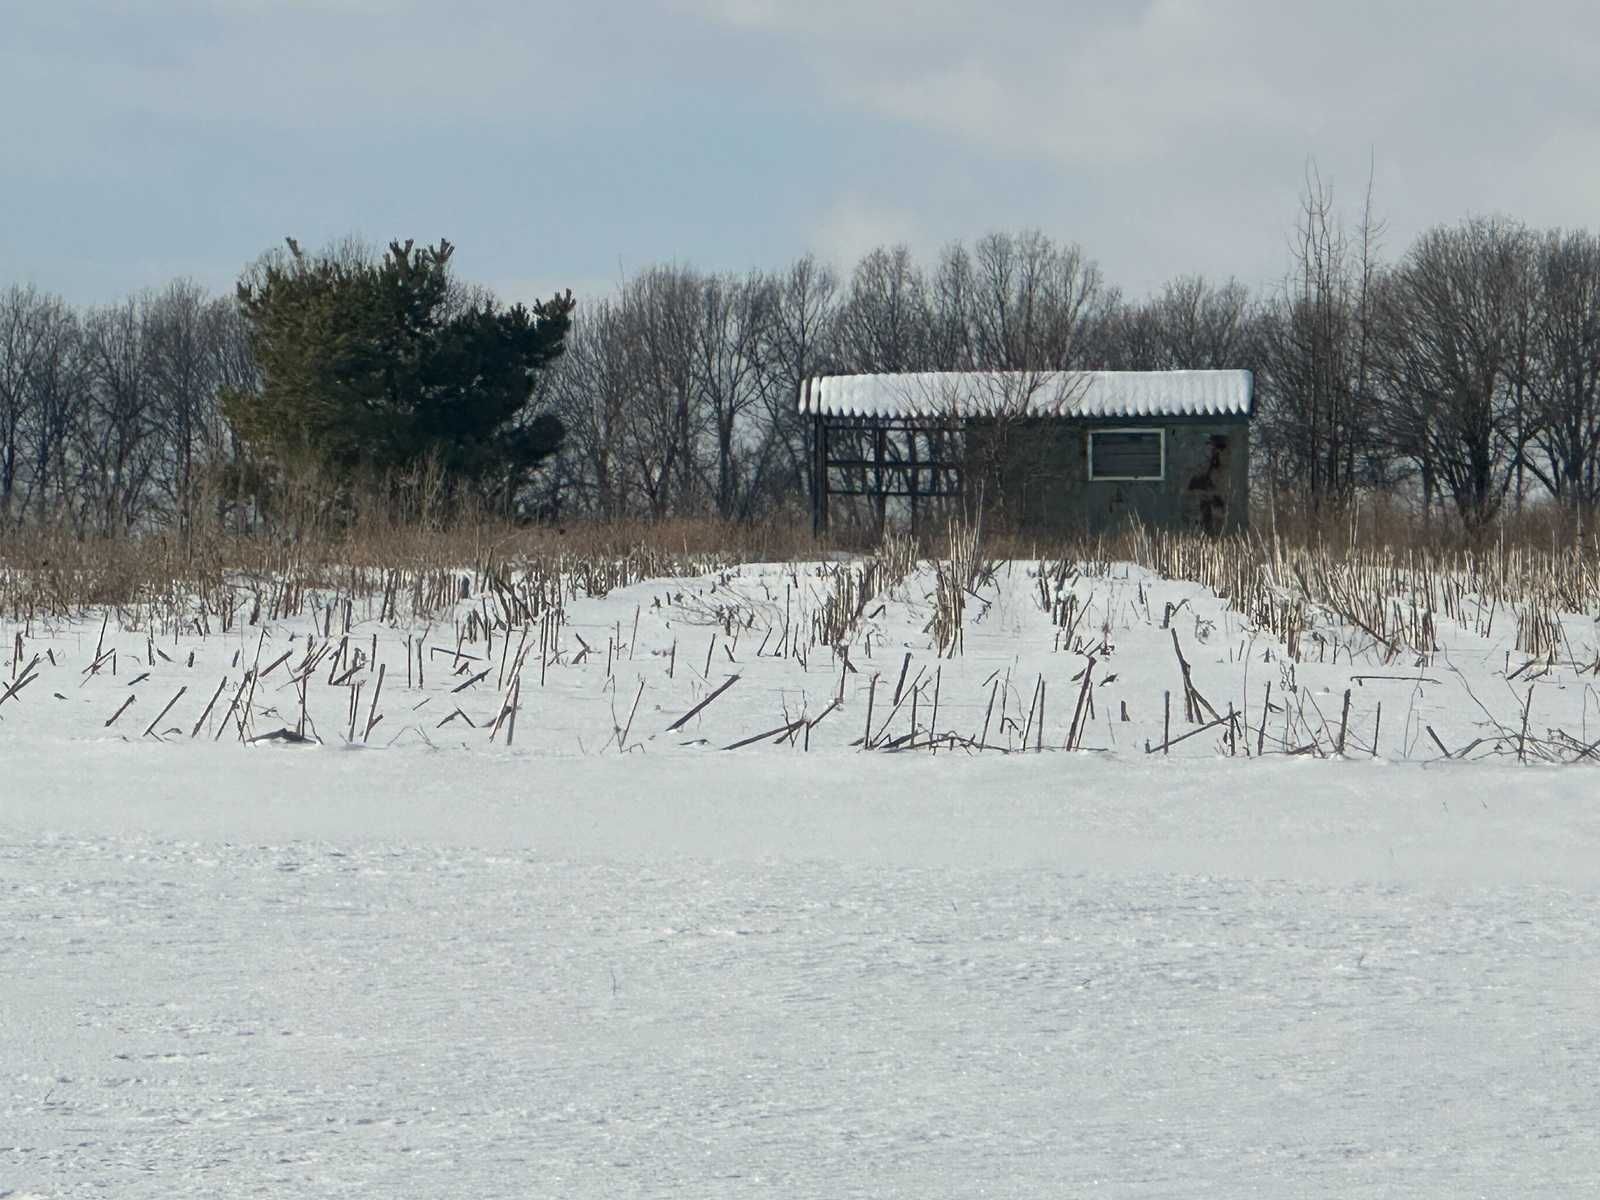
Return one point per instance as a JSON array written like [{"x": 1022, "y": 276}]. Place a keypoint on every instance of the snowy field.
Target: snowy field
[{"x": 614, "y": 959}]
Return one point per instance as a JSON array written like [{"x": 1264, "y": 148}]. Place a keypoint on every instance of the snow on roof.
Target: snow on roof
[{"x": 1031, "y": 393}]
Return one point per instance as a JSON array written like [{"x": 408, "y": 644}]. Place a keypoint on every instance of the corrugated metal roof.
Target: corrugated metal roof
[{"x": 1093, "y": 394}]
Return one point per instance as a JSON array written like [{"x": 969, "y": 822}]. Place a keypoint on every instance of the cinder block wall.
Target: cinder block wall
[{"x": 1034, "y": 475}]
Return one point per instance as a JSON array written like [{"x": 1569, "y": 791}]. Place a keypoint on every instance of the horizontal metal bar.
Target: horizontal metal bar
[
  {"x": 898, "y": 464},
  {"x": 920, "y": 493}
]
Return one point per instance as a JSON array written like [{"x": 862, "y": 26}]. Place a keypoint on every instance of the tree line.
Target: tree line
[
  {"x": 1467, "y": 369},
  {"x": 323, "y": 373}
]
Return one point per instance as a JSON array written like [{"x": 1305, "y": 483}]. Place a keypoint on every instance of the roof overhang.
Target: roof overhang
[{"x": 1087, "y": 395}]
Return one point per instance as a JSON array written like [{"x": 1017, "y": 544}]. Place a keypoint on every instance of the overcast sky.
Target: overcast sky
[{"x": 569, "y": 144}]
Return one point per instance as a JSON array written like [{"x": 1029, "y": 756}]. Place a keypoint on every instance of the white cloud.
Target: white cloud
[
  {"x": 1164, "y": 135},
  {"x": 1198, "y": 115},
  {"x": 858, "y": 21},
  {"x": 853, "y": 225},
  {"x": 326, "y": 64}
]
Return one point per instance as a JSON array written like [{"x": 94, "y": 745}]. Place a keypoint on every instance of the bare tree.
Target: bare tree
[
  {"x": 729, "y": 341},
  {"x": 593, "y": 390},
  {"x": 236, "y": 373},
  {"x": 185, "y": 331},
  {"x": 799, "y": 341},
  {"x": 1561, "y": 370},
  {"x": 1191, "y": 325},
  {"x": 952, "y": 318},
  {"x": 56, "y": 399},
  {"x": 1200, "y": 326},
  {"x": 1033, "y": 300},
  {"x": 662, "y": 311},
  {"x": 116, "y": 447},
  {"x": 883, "y": 323},
  {"x": 1314, "y": 345},
  {"x": 1127, "y": 338},
  {"x": 27, "y": 321},
  {"x": 1450, "y": 361}
]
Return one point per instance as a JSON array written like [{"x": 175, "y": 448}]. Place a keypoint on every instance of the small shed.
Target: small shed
[{"x": 1049, "y": 452}]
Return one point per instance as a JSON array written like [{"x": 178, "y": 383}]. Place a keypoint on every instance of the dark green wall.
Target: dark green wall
[{"x": 1034, "y": 475}]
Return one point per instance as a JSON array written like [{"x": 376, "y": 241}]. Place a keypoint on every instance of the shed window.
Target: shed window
[{"x": 1127, "y": 454}]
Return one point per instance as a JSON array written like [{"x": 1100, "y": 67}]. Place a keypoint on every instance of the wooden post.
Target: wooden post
[
  {"x": 880, "y": 496},
  {"x": 911, "y": 485},
  {"x": 819, "y": 472}
]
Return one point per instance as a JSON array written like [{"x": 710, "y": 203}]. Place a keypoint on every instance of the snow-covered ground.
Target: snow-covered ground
[
  {"x": 434, "y": 965},
  {"x": 756, "y": 644}
]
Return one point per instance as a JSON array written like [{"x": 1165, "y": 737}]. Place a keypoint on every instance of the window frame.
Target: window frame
[{"x": 1161, "y": 441}]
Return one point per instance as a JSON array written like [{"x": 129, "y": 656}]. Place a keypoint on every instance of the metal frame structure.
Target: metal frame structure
[
  {"x": 915, "y": 458},
  {"x": 894, "y": 436}
]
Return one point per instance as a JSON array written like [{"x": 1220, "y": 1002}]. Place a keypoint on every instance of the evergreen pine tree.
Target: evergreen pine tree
[{"x": 383, "y": 367}]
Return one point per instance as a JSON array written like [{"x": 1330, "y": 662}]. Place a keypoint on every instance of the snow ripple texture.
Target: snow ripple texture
[{"x": 995, "y": 979}]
